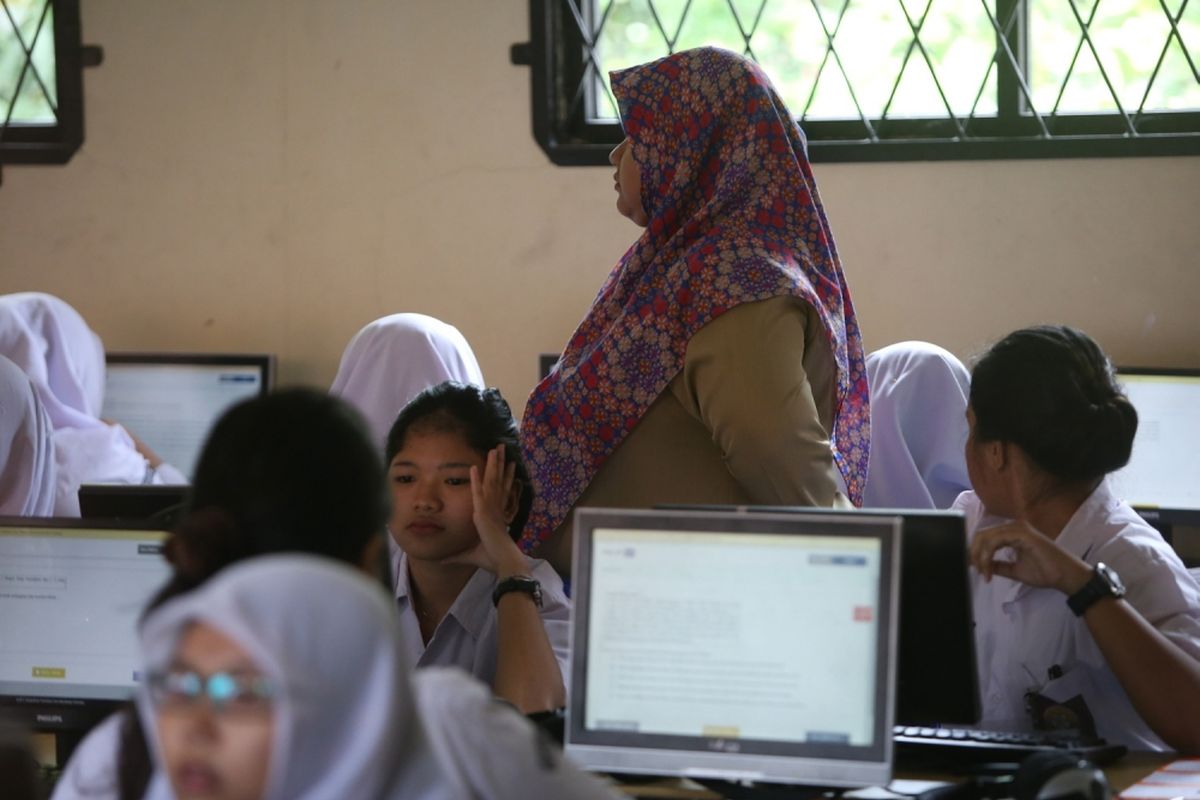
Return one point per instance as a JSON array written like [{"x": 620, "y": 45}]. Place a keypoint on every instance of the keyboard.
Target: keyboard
[{"x": 948, "y": 747}]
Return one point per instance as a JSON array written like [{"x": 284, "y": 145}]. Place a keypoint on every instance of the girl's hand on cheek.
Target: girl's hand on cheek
[{"x": 496, "y": 551}]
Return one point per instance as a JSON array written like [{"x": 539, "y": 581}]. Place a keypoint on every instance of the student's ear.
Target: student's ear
[
  {"x": 513, "y": 501},
  {"x": 998, "y": 456}
]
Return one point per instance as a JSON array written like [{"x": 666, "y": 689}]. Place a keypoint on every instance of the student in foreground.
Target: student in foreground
[
  {"x": 1085, "y": 618},
  {"x": 291, "y": 471},
  {"x": 258, "y": 689},
  {"x": 468, "y": 596}
]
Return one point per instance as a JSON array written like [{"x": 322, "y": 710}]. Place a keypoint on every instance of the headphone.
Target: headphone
[{"x": 1060, "y": 775}]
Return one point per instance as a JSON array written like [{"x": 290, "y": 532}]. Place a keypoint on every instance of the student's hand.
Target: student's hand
[
  {"x": 1037, "y": 560},
  {"x": 490, "y": 496},
  {"x": 143, "y": 448}
]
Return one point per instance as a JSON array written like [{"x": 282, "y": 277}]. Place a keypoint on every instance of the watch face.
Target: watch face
[{"x": 1111, "y": 577}]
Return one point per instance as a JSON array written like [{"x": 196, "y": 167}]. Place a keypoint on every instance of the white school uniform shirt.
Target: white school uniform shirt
[
  {"x": 1023, "y": 634},
  {"x": 467, "y": 637}
]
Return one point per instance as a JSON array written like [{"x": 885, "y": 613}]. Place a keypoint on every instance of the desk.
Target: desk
[{"x": 1130, "y": 769}]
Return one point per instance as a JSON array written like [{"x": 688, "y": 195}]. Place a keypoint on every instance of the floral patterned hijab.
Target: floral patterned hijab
[{"x": 734, "y": 218}]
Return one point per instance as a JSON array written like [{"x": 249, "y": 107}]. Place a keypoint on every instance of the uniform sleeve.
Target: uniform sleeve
[
  {"x": 167, "y": 474},
  {"x": 556, "y": 615},
  {"x": 744, "y": 377},
  {"x": 91, "y": 772},
  {"x": 490, "y": 747}
]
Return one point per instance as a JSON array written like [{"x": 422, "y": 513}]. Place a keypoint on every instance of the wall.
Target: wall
[{"x": 271, "y": 175}]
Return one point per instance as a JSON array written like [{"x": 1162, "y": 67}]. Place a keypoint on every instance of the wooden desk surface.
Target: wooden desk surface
[{"x": 1130, "y": 769}]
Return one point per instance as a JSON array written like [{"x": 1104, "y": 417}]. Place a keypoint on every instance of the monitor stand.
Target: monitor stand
[{"x": 736, "y": 790}]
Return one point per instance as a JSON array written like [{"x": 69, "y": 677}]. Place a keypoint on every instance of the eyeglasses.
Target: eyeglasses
[{"x": 226, "y": 692}]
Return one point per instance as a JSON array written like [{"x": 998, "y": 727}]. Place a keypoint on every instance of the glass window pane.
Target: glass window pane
[
  {"x": 30, "y": 104},
  {"x": 1129, "y": 37}
]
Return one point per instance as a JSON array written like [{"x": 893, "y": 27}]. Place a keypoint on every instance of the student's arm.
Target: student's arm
[
  {"x": 527, "y": 672},
  {"x": 744, "y": 375},
  {"x": 1162, "y": 681}
]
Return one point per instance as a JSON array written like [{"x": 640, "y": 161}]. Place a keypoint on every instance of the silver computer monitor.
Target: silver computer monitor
[
  {"x": 1162, "y": 479},
  {"x": 171, "y": 400},
  {"x": 71, "y": 593},
  {"x": 734, "y": 646}
]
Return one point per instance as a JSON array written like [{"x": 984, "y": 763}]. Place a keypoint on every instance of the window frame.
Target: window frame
[
  {"x": 562, "y": 131},
  {"x": 57, "y": 142}
]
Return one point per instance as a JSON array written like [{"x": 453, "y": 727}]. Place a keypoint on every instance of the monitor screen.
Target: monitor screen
[
  {"x": 71, "y": 593},
  {"x": 724, "y": 645},
  {"x": 1163, "y": 474},
  {"x": 170, "y": 401}
]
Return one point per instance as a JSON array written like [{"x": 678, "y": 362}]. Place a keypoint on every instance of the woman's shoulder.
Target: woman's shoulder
[
  {"x": 491, "y": 746},
  {"x": 91, "y": 771}
]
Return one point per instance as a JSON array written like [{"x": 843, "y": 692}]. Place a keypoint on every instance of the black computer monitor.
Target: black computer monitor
[
  {"x": 71, "y": 593},
  {"x": 171, "y": 400},
  {"x": 937, "y": 680},
  {"x": 163, "y": 505},
  {"x": 1162, "y": 479}
]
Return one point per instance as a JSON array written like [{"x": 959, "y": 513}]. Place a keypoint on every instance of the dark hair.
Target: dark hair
[
  {"x": 1051, "y": 390},
  {"x": 292, "y": 471},
  {"x": 484, "y": 420}
]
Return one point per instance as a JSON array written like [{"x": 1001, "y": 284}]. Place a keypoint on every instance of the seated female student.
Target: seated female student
[
  {"x": 64, "y": 358},
  {"x": 291, "y": 471},
  {"x": 721, "y": 361},
  {"x": 468, "y": 596},
  {"x": 918, "y": 427},
  {"x": 286, "y": 677},
  {"x": 27, "y": 471},
  {"x": 1052, "y": 546},
  {"x": 393, "y": 359}
]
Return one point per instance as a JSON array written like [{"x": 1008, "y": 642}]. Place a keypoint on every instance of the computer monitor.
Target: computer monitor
[
  {"x": 1162, "y": 479},
  {"x": 71, "y": 593},
  {"x": 171, "y": 400},
  {"x": 937, "y": 681},
  {"x": 730, "y": 646},
  {"x": 137, "y": 502}
]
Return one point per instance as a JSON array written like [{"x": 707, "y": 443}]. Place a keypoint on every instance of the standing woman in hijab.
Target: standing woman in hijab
[
  {"x": 259, "y": 687},
  {"x": 721, "y": 361},
  {"x": 64, "y": 359},
  {"x": 395, "y": 358},
  {"x": 27, "y": 473}
]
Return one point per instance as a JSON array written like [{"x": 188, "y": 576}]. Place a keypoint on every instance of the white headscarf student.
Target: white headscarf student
[
  {"x": 27, "y": 472},
  {"x": 918, "y": 427},
  {"x": 321, "y": 708},
  {"x": 64, "y": 359},
  {"x": 393, "y": 359}
]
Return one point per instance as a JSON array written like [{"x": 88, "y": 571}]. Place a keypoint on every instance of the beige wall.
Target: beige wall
[{"x": 272, "y": 174}]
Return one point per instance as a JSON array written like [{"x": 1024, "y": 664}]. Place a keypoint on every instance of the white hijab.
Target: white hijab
[
  {"x": 919, "y": 396},
  {"x": 393, "y": 359},
  {"x": 64, "y": 360},
  {"x": 27, "y": 472},
  {"x": 346, "y": 724}
]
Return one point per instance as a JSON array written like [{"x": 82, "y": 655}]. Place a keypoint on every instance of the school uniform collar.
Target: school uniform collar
[
  {"x": 1078, "y": 537},
  {"x": 470, "y": 610}
]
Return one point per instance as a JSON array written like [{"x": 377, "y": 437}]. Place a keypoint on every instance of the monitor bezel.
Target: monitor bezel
[
  {"x": 817, "y": 764},
  {"x": 264, "y": 361},
  {"x": 54, "y": 713},
  {"x": 1164, "y": 517}
]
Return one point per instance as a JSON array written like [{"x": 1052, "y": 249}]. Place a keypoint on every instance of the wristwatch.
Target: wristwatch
[
  {"x": 1105, "y": 582},
  {"x": 518, "y": 583}
]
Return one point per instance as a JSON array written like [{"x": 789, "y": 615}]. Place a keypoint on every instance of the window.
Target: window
[
  {"x": 896, "y": 79},
  {"x": 41, "y": 89}
]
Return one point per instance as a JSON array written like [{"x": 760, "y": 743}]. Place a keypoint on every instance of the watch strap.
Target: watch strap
[{"x": 518, "y": 583}]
